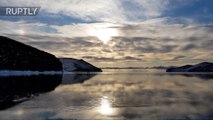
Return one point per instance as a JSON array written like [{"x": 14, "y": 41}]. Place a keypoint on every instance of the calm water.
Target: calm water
[{"x": 109, "y": 95}]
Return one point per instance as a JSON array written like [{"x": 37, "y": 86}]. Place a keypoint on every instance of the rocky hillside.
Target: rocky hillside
[
  {"x": 201, "y": 67},
  {"x": 17, "y": 56},
  {"x": 76, "y": 65}
]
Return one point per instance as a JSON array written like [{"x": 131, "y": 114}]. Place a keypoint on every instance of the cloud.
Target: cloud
[
  {"x": 132, "y": 58},
  {"x": 112, "y": 59},
  {"x": 148, "y": 9},
  {"x": 141, "y": 30},
  {"x": 176, "y": 58},
  {"x": 93, "y": 58},
  {"x": 119, "y": 11},
  {"x": 207, "y": 44},
  {"x": 9, "y": 27},
  {"x": 78, "y": 11},
  {"x": 151, "y": 40},
  {"x": 85, "y": 10},
  {"x": 189, "y": 47}
]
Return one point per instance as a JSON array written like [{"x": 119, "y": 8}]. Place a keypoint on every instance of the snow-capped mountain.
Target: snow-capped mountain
[{"x": 78, "y": 65}]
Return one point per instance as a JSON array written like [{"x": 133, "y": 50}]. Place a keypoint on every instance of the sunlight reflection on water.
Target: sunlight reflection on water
[
  {"x": 105, "y": 106},
  {"x": 123, "y": 96}
]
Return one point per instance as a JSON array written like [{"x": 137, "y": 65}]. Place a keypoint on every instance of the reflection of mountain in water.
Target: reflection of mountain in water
[
  {"x": 14, "y": 90},
  {"x": 201, "y": 76},
  {"x": 76, "y": 78}
]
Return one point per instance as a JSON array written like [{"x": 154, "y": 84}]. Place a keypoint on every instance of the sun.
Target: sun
[
  {"x": 21, "y": 32},
  {"x": 104, "y": 34}
]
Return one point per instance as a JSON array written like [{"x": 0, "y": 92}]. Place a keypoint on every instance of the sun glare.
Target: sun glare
[
  {"x": 104, "y": 34},
  {"x": 105, "y": 107},
  {"x": 21, "y": 32}
]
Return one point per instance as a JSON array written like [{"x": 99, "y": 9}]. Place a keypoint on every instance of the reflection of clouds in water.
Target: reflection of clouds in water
[
  {"x": 145, "y": 96},
  {"x": 136, "y": 96}
]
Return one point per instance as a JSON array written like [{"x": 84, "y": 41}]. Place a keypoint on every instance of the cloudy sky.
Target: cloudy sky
[{"x": 117, "y": 32}]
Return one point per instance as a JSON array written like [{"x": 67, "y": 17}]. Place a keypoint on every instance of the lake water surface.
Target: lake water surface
[{"x": 114, "y": 94}]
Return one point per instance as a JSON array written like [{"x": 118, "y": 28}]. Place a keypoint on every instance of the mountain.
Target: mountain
[
  {"x": 201, "y": 67},
  {"x": 17, "y": 56},
  {"x": 78, "y": 65}
]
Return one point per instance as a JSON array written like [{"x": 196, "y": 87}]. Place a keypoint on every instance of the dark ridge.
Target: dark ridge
[
  {"x": 17, "y": 56},
  {"x": 201, "y": 67}
]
